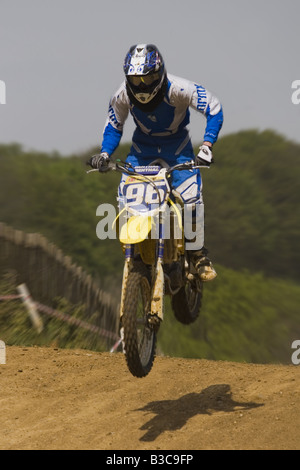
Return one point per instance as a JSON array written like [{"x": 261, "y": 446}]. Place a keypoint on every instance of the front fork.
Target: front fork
[
  {"x": 157, "y": 293},
  {"x": 129, "y": 252},
  {"x": 157, "y": 298}
]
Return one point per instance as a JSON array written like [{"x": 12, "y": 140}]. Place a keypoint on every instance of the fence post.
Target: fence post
[{"x": 29, "y": 304}]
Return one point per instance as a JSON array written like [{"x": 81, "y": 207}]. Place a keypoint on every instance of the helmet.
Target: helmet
[{"x": 145, "y": 74}]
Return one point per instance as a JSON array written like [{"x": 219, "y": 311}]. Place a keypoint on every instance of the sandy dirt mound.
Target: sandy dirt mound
[{"x": 73, "y": 399}]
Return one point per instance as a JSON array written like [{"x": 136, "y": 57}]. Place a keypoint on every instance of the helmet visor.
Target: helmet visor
[{"x": 137, "y": 80}]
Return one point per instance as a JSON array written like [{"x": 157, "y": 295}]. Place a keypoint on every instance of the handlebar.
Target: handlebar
[{"x": 128, "y": 169}]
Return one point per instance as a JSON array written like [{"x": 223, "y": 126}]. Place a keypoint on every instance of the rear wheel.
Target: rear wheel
[
  {"x": 186, "y": 304},
  {"x": 139, "y": 336}
]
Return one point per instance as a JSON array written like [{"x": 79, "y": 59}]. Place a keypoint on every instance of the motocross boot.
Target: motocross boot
[{"x": 203, "y": 265}]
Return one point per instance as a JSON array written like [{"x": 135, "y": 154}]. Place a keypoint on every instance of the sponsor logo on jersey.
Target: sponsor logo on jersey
[
  {"x": 112, "y": 117},
  {"x": 202, "y": 99}
]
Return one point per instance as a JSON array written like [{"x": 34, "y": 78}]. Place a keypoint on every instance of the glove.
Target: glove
[
  {"x": 99, "y": 161},
  {"x": 205, "y": 156}
]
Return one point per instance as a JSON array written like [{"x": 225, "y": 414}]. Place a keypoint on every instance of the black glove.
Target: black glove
[
  {"x": 205, "y": 156},
  {"x": 99, "y": 162}
]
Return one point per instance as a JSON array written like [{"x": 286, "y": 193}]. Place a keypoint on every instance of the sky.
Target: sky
[{"x": 61, "y": 60}]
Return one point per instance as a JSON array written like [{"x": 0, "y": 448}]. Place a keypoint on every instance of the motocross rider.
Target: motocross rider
[{"x": 159, "y": 104}]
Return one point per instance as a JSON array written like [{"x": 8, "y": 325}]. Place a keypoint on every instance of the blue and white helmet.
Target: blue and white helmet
[{"x": 144, "y": 69}]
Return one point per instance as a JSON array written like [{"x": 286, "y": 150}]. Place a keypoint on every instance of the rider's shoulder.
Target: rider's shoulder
[
  {"x": 121, "y": 95},
  {"x": 180, "y": 87}
]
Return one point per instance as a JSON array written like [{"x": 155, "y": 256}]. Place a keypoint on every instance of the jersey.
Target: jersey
[{"x": 163, "y": 132}]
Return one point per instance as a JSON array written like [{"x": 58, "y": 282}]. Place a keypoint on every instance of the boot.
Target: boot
[{"x": 203, "y": 265}]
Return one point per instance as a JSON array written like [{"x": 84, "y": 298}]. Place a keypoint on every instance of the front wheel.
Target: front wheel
[
  {"x": 186, "y": 304},
  {"x": 139, "y": 337}
]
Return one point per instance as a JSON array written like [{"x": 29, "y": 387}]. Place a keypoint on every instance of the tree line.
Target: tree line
[{"x": 251, "y": 197}]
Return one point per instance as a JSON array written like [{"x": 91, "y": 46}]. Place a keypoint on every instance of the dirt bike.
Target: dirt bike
[{"x": 155, "y": 264}]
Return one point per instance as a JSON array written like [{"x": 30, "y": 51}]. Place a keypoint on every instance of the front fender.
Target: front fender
[{"x": 136, "y": 229}]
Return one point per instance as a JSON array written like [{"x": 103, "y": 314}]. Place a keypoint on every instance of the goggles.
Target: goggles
[{"x": 137, "y": 80}]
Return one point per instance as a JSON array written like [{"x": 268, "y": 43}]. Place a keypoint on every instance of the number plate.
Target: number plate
[{"x": 143, "y": 196}]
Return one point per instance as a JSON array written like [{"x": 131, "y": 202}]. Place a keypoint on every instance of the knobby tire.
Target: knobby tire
[
  {"x": 186, "y": 304},
  {"x": 139, "y": 340}
]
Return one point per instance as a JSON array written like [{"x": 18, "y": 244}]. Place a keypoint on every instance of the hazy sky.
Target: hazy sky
[{"x": 61, "y": 60}]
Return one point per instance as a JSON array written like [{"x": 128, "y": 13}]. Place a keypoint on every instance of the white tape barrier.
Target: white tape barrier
[
  {"x": 33, "y": 308},
  {"x": 2, "y": 353},
  {"x": 10, "y": 297},
  {"x": 75, "y": 321}
]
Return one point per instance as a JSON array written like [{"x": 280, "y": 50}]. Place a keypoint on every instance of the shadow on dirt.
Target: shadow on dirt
[{"x": 172, "y": 415}]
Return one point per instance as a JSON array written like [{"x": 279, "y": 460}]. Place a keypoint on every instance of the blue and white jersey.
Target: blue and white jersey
[{"x": 163, "y": 131}]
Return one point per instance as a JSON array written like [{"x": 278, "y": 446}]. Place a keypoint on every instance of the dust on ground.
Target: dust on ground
[{"x": 54, "y": 399}]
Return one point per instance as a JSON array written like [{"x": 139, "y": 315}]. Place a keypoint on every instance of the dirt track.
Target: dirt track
[{"x": 64, "y": 399}]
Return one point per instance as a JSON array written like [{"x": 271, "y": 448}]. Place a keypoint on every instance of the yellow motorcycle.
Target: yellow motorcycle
[{"x": 151, "y": 230}]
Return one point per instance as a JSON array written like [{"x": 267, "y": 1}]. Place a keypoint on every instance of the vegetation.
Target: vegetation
[
  {"x": 16, "y": 327},
  {"x": 244, "y": 317},
  {"x": 251, "y": 197}
]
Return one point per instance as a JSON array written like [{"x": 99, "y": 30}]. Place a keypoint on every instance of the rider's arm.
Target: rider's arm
[
  {"x": 209, "y": 144},
  {"x": 111, "y": 139},
  {"x": 204, "y": 102},
  {"x": 117, "y": 115}
]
